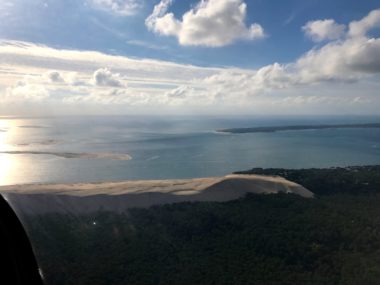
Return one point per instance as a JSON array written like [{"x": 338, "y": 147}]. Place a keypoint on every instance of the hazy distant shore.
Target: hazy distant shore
[{"x": 297, "y": 128}]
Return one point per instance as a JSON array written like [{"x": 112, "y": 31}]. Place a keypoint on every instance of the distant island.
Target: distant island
[{"x": 272, "y": 129}]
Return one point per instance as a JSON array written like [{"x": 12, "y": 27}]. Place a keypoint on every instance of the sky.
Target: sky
[{"x": 215, "y": 57}]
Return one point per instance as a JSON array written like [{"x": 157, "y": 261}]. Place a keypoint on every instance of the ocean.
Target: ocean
[{"x": 51, "y": 149}]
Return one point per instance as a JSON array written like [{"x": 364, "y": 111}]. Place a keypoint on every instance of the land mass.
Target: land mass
[
  {"x": 272, "y": 129},
  {"x": 277, "y": 239},
  {"x": 355, "y": 180},
  {"x": 119, "y": 196}
]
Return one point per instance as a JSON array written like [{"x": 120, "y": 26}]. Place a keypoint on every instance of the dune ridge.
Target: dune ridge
[{"x": 119, "y": 196}]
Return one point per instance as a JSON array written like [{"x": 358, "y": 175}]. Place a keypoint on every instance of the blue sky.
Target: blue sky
[
  {"x": 77, "y": 24},
  {"x": 263, "y": 44}
]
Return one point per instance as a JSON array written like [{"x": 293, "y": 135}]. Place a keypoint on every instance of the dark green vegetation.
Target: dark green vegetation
[
  {"x": 355, "y": 180},
  {"x": 297, "y": 128},
  {"x": 258, "y": 239}
]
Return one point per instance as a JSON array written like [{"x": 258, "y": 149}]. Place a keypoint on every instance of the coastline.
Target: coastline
[
  {"x": 119, "y": 196},
  {"x": 273, "y": 129}
]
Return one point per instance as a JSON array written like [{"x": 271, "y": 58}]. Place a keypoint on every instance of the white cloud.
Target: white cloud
[
  {"x": 146, "y": 45},
  {"x": 341, "y": 74},
  {"x": 119, "y": 7},
  {"x": 189, "y": 95},
  {"x": 349, "y": 60},
  {"x": 180, "y": 92},
  {"x": 74, "y": 79},
  {"x": 159, "y": 11},
  {"x": 23, "y": 91},
  {"x": 361, "y": 27},
  {"x": 212, "y": 23},
  {"x": 323, "y": 30},
  {"x": 104, "y": 77},
  {"x": 54, "y": 76}
]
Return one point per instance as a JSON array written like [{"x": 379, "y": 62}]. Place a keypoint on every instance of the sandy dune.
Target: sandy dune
[{"x": 118, "y": 196}]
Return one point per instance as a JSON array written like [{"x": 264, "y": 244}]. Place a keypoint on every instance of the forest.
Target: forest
[{"x": 333, "y": 238}]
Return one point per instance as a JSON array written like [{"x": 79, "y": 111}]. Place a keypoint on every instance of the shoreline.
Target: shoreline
[{"x": 272, "y": 129}]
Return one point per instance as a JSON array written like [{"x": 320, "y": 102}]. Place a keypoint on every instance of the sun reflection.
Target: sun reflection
[
  {"x": 7, "y": 161},
  {"x": 7, "y": 166}
]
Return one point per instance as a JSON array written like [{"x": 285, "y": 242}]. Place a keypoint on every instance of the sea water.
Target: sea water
[{"x": 173, "y": 147}]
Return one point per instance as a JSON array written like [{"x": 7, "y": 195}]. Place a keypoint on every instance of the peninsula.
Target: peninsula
[{"x": 271, "y": 129}]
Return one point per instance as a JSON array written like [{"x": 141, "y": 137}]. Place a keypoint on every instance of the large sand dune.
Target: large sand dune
[{"x": 118, "y": 196}]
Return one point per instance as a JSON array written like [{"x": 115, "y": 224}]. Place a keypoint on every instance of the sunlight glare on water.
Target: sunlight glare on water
[{"x": 8, "y": 162}]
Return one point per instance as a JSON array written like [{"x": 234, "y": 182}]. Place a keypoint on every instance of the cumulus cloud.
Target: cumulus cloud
[
  {"x": 321, "y": 30},
  {"x": 212, "y": 23},
  {"x": 54, "y": 76},
  {"x": 119, "y": 7},
  {"x": 104, "y": 77},
  {"x": 159, "y": 11},
  {"x": 349, "y": 60},
  {"x": 360, "y": 28},
  {"x": 346, "y": 61},
  {"x": 352, "y": 57},
  {"x": 23, "y": 91}
]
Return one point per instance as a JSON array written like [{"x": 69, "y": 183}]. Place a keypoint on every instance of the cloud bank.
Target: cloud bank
[{"x": 339, "y": 75}]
